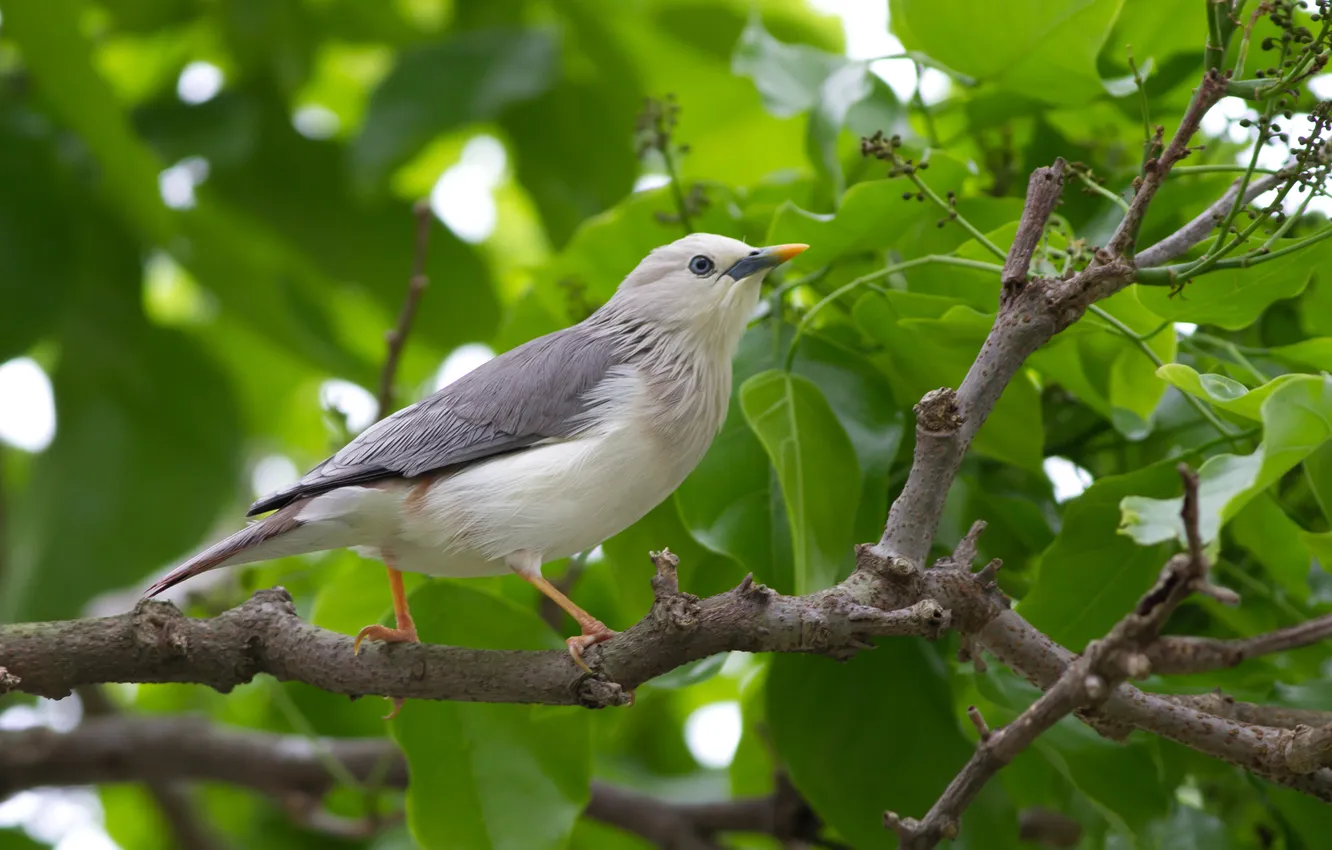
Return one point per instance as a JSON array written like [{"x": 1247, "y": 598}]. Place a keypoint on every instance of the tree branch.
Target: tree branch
[
  {"x": 1180, "y": 654},
  {"x": 1084, "y": 682},
  {"x": 182, "y": 815},
  {"x": 156, "y": 643},
  {"x": 294, "y": 771},
  {"x": 1043, "y": 191},
  {"x": 1178, "y": 243},
  {"x": 889, "y": 593},
  {"x": 1211, "y": 90}
]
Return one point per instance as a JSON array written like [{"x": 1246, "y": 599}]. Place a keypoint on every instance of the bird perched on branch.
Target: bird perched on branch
[{"x": 541, "y": 453}]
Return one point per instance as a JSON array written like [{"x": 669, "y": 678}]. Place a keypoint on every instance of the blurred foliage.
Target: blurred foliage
[{"x": 189, "y": 343}]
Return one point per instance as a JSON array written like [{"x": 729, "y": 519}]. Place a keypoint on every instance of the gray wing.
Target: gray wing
[{"x": 534, "y": 392}]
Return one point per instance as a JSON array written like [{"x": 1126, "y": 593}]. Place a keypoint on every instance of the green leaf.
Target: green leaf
[
  {"x": 1320, "y": 545},
  {"x": 608, "y": 246},
  {"x": 1297, "y": 419},
  {"x": 467, "y": 78},
  {"x": 1223, "y": 392},
  {"x": 1313, "y": 353},
  {"x": 570, "y": 172},
  {"x": 1091, "y": 574},
  {"x": 1044, "y": 49},
  {"x": 796, "y": 78},
  {"x": 1191, "y": 829},
  {"x": 862, "y": 400},
  {"x": 1274, "y": 539},
  {"x": 732, "y": 503},
  {"x": 816, "y": 465},
  {"x": 145, "y": 454},
  {"x": 57, "y": 56},
  {"x": 871, "y": 215},
  {"x": 353, "y": 593},
  {"x": 912, "y": 726},
  {"x": 1235, "y": 298},
  {"x": 1318, "y": 472},
  {"x": 471, "y": 763},
  {"x": 260, "y": 281},
  {"x": 1221, "y": 480},
  {"x": 35, "y": 212},
  {"x": 930, "y": 342}
]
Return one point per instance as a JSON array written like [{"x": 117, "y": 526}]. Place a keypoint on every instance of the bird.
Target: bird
[{"x": 538, "y": 454}]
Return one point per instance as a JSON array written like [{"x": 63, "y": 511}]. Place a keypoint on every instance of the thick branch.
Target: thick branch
[
  {"x": 1043, "y": 191},
  {"x": 294, "y": 770},
  {"x": 183, "y": 818},
  {"x": 1257, "y": 714},
  {"x": 156, "y": 643}
]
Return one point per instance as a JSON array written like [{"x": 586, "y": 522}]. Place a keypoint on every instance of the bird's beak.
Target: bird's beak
[{"x": 764, "y": 258}]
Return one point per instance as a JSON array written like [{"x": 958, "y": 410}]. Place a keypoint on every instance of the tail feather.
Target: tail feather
[{"x": 233, "y": 549}]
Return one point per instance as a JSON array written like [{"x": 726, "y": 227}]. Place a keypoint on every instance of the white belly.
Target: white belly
[{"x": 557, "y": 499}]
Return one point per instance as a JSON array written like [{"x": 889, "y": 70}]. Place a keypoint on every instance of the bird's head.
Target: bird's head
[{"x": 702, "y": 281}]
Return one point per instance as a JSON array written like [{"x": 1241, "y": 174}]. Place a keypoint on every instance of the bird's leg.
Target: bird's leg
[
  {"x": 406, "y": 629},
  {"x": 404, "y": 633},
  {"x": 528, "y": 565}
]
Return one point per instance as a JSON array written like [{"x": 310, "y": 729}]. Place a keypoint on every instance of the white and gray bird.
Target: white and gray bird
[{"x": 542, "y": 452}]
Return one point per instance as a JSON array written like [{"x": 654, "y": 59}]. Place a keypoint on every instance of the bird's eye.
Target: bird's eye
[{"x": 702, "y": 266}]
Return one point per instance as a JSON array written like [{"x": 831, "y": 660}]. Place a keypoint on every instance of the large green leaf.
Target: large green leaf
[
  {"x": 931, "y": 342},
  {"x": 473, "y": 765},
  {"x": 732, "y": 503},
  {"x": 35, "y": 210},
  {"x": 1235, "y": 298},
  {"x": 1091, "y": 575},
  {"x": 795, "y": 78},
  {"x": 57, "y": 54},
  {"x": 862, "y": 400},
  {"x": 871, "y": 216},
  {"x": 684, "y": 49},
  {"x": 467, "y": 78},
  {"x": 1223, "y": 392},
  {"x": 816, "y": 465},
  {"x": 570, "y": 172},
  {"x": 911, "y": 726},
  {"x": 1297, "y": 419},
  {"x": 145, "y": 453},
  {"x": 1274, "y": 539},
  {"x": 608, "y": 246},
  {"x": 1045, "y": 49}
]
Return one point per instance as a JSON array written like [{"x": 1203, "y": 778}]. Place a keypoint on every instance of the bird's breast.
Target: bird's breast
[{"x": 568, "y": 496}]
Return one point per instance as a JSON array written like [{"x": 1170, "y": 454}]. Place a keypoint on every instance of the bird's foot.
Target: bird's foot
[
  {"x": 590, "y": 637},
  {"x": 387, "y": 635}
]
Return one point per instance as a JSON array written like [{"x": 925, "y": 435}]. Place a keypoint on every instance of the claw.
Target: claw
[{"x": 578, "y": 643}]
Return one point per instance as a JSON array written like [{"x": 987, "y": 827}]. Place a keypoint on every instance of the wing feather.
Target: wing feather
[{"x": 538, "y": 391}]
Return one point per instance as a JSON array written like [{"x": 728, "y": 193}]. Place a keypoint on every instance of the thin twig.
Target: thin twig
[
  {"x": 416, "y": 287},
  {"x": 1183, "y": 654},
  {"x": 1212, "y": 89}
]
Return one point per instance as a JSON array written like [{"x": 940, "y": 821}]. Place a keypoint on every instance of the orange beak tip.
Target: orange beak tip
[{"x": 787, "y": 252}]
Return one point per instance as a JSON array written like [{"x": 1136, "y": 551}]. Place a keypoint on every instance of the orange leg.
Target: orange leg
[
  {"x": 593, "y": 630},
  {"x": 404, "y": 633}
]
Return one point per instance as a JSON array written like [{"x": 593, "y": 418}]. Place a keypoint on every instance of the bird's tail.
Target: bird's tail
[{"x": 243, "y": 547}]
